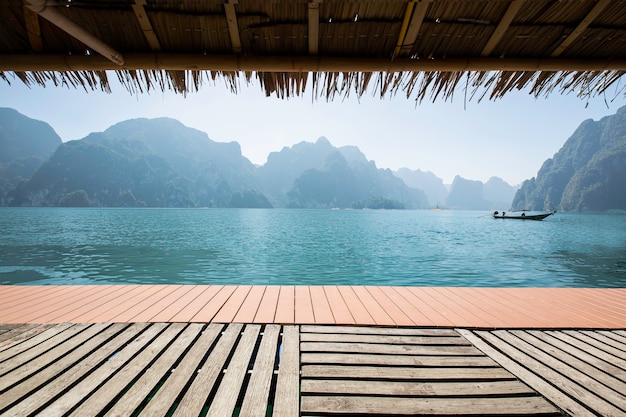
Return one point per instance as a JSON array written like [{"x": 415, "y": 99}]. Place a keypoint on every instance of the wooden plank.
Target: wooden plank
[
  {"x": 579, "y": 367},
  {"x": 340, "y": 311},
  {"x": 268, "y": 306},
  {"x": 387, "y": 339},
  {"x": 378, "y": 314},
  {"x": 618, "y": 353},
  {"x": 389, "y": 349},
  {"x": 408, "y": 308},
  {"x": 255, "y": 403},
  {"x": 400, "y": 331},
  {"x": 88, "y": 300},
  {"x": 225, "y": 399},
  {"x": 148, "y": 304},
  {"x": 287, "y": 396},
  {"x": 415, "y": 389},
  {"x": 250, "y": 305},
  {"x": 138, "y": 392},
  {"x": 360, "y": 405},
  {"x": 25, "y": 331},
  {"x": 421, "y": 300},
  {"x": 593, "y": 393},
  {"x": 395, "y": 313},
  {"x": 592, "y": 350},
  {"x": 400, "y": 373},
  {"x": 114, "y": 385},
  {"x": 286, "y": 306},
  {"x": 229, "y": 309},
  {"x": 27, "y": 298},
  {"x": 38, "y": 345},
  {"x": 567, "y": 395},
  {"x": 24, "y": 313},
  {"x": 59, "y": 377},
  {"x": 395, "y": 360},
  {"x": 175, "y": 384},
  {"x": 168, "y": 299},
  {"x": 587, "y": 357},
  {"x": 321, "y": 308},
  {"x": 127, "y": 300},
  {"x": 196, "y": 395},
  {"x": 357, "y": 310},
  {"x": 188, "y": 294},
  {"x": 193, "y": 309},
  {"x": 607, "y": 341},
  {"x": 101, "y": 374},
  {"x": 303, "y": 305},
  {"x": 35, "y": 373}
]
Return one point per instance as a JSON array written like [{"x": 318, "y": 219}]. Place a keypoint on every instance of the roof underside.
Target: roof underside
[{"x": 426, "y": 49}]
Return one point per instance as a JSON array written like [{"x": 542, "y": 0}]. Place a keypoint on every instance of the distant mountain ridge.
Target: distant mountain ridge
[
  {"x": 587, "y": 174},
  {"x": 163, "y": 163}
]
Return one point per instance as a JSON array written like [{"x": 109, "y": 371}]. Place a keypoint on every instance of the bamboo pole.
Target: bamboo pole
[{"x": 234, "y": 63}]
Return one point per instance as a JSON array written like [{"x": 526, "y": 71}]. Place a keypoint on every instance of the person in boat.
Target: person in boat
[
  {"x": 523, "y": 214},
  {"x": 495, "y": 213}
]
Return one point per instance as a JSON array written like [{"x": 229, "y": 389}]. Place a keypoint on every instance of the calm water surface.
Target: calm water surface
[{"x": 55, "y": 246}]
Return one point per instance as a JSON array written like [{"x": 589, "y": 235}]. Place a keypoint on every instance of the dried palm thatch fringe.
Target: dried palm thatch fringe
[{"x": 431, "y": 85}]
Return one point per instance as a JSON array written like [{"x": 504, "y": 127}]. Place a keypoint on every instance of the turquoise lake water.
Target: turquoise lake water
[{"x": 53, "y": 246}]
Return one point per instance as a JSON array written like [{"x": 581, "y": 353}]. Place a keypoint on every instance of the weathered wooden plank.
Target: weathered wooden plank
[
  {"x": 138, "y": 392},
  {"x": 174, "y": 385},
  {"x": 39, "y": 371},
  {"x": 569, "y": 389},
  {"x": 395, "y": 360},
  {"x": 400, "y": 373},
  {"x": 400, "y": 331},
  {"x": 57, "y": 378},
  {"x": 287, "y": 391},
  {"x": 578, "y": 364},
  {"x": 33, "y": 360},
  {"x": 387, "y": 339},
  {"x": 33, "y": 337},
  {"x": 595, "y": 393},
  {"x": 607, "y": 341},
  {"x": 613, "y": 335},
  {"x": 101, "y": 374},
  {"x": 592, "y": 350},
  {"x": 362, "y": 405},
  {"x": 415, "y": 389},
  {"x": 389, "y": 349},
  {"x": 196, "y": 395},
  {"x": 116, "y": 384},
  {"x": 21, "y": 332},
  {"x": 225, "y": 399},
  {"x": 255, "y": 402}
]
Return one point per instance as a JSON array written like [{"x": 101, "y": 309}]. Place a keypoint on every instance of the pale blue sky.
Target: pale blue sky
[{"x": 509, "y": 138}]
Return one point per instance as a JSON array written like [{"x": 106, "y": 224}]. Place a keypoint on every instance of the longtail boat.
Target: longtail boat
[{"x": 523, "y": 216}]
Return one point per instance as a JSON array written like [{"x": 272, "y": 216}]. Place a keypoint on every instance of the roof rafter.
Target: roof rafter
[
  {"x": 233, "y": 27},
  {"x": 411, "y": 25},
  {"x": 597, "y": 9},
  {"x": 504, "y": 24},
  {"x": 32, "y": 28},
  {"x": 64, "y": 23},
  {"x": 146, "y": 25},
  {"x": 314, "y": 26}
]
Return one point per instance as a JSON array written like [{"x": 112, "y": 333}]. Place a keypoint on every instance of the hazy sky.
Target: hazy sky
[{"x": 509, "y": 138}]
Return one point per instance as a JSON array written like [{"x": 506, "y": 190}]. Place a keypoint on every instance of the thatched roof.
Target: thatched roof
[{"x": 424, "y": 49}]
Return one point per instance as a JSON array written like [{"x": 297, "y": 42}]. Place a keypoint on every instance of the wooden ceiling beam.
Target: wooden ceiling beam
[
  {"x": 591, "y": 16},
  {"x": 64, "y": 23},
  {"x": 233, "y": 26},
  {"x": 314, "y": 26},
  {"x": 411, "y": 25},
  {"x": 146, "y": 25},
  {"x": 285, "y": 64},
  {"x": 502, "y": 27},
  {"x": 31, "y": 19}
]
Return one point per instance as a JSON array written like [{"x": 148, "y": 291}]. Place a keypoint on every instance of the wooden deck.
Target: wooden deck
[
  {"x": 311, "y": 351},
  {"x": 487, "y": 308},
  {"x": 191, "y": 369}
]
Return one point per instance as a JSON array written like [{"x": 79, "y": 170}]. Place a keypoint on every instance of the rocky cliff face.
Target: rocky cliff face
[{"x": 587, "y": 174}]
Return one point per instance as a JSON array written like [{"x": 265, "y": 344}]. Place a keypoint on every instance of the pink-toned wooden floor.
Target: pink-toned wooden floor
[{"x": 345, "y": 305}]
